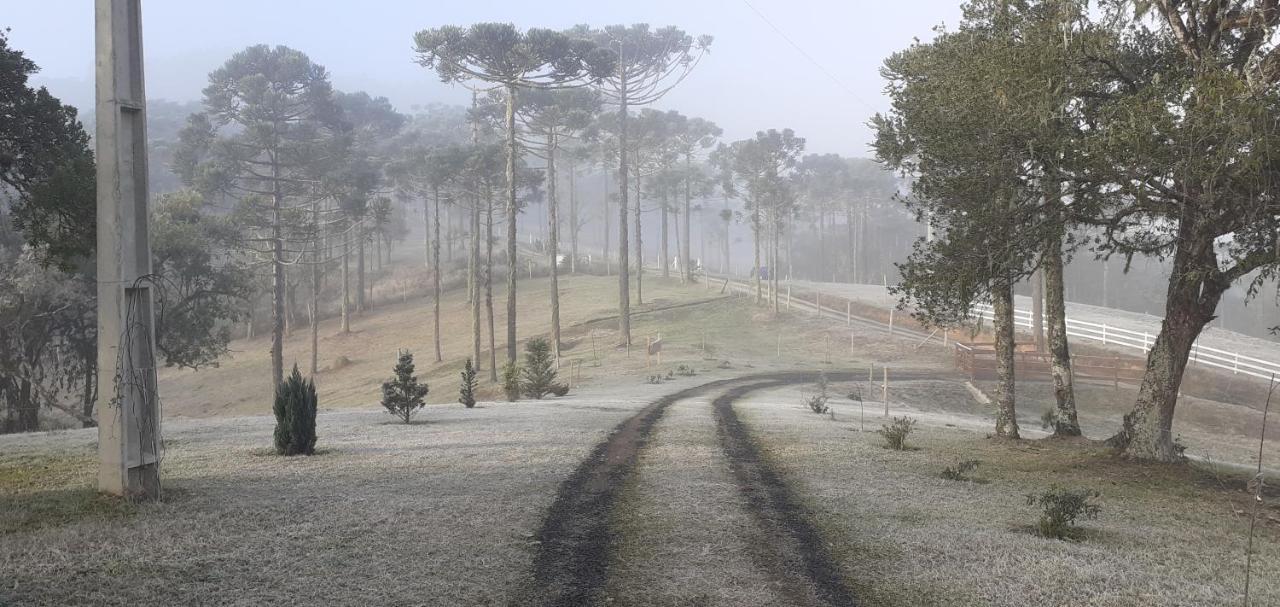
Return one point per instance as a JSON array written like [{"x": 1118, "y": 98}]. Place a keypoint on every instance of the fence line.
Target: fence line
[
  {"x": 1110, "y": 335},
  {"x": 1107, "y": 335}
]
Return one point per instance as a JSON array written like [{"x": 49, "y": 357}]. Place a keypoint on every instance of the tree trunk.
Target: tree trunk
[
  {"x": 435, "y": 271},
  {"x": 728, "y": 238},
  {"x": 477, "y": 329},
  {"x": 822, "y": 247},
  {"x": 1002, "y": 304},
  {"x": 624, "y": 281},
  {"x": 346, "y": 284},
  {"x": 664, "y": 250},
  {"x": 1067, "y": 423},
  {"x": 315, "y": 290},
  {"x": 680, "y": 260},
  {"x": 1195, "y": 288},
  {"x": 488, "y": 292},
  {"x": 512, "y": 211},
  {"x": 608, "y": 223},
  {"x": 277, "y": 281},
  {"x": 553, "y": 242},
  {"x": 686, "y": 257},
  {"x": 755, "y": 229},
  {"x": 639, "y": 244},
  {"x": 850, "y": 220},
  {"x": 574, "y": 222},
  {"x": 368, "y": 304},
  {"x": 1037, "y": 310},
  {"x": 360, "y": 267},
  {"x": 28, "y": 408}
]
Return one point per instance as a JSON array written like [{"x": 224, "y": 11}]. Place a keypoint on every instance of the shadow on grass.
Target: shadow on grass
[
  {"x": 271, "y": 452},
  {"x": 58, "y": 507}
]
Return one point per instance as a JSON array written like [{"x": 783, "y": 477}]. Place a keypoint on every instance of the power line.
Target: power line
[{"x": 807, "y": 56}]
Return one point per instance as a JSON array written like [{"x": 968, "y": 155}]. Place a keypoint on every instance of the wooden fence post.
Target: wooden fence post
[{"x": 885, "y": 393}]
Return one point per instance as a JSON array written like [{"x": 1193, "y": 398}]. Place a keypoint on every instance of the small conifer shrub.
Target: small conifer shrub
[
  {"x": 295, "y": 409},
  {"x": 403, "y": 395},
  {"x": 539, "y": 373},
  {"x": 467, "y": 389}
]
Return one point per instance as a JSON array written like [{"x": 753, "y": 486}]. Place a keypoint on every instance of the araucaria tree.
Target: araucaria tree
[
  {"x": 402, "y": 395},
  {"x": 765, "y": 167},
  {"x": 503, "y": 56},
  {"x": 552, "y": 119},
  {"x": 648, "y": 64},
  {"x": 268, "y": 113}
]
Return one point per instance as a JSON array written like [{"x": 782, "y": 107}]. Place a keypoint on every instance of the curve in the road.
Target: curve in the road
[{"x": 570, "y": 568}]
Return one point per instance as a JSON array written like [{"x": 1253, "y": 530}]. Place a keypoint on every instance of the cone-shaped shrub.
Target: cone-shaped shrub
[
  {"x": 295, "y": 409},
  {"x": 467, "y": 390},
  {"x": 403, "y": 395},
  {"x": 540, "y": 370}
]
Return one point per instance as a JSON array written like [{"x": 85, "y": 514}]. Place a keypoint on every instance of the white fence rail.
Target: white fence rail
[
  {"x": 1110, "y": 335},
  {"x": 1107, "y": 335}
]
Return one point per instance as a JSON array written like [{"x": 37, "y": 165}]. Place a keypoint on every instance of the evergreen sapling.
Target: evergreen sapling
[
  {"x": 403, "y": 395},
  {"x": 467, "y": 391}
]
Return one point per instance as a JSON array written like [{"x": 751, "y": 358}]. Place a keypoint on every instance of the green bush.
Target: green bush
[
  {"x": 960, "y": 472},
  {"x": 511, "y": 382},
  {"x": 895, "y": 434},
  {"x": 403, "y": 395},
  {"x": 818, "y": 402},
  {"x": 295, "y": 409},
  {"x": 539, "y": 373},
  {"x": 467, "y": 389},
  {"x": 1061, "y": 508}
]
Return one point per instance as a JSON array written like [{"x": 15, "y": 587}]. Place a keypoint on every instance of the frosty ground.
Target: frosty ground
[{"x": 453, "y": 509}]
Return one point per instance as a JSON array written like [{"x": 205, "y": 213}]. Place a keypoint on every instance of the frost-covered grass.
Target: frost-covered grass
[
  {"x": 439, "y": 512},
  {"x": 1167, "y": 535}
]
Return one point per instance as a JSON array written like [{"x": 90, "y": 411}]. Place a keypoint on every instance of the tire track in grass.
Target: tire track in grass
[
  {"x": 571, "y": 565},
  {"x": 570, "y": 568},
  {"x": 794, "y": 546}
]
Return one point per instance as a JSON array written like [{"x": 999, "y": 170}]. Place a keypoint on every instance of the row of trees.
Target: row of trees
[
  {"x": 1040, "y": 129},
  {"x": 281, "y": 186}
]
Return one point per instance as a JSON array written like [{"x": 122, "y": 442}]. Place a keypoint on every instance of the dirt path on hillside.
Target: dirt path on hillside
[{"x": 578, "y": 540}]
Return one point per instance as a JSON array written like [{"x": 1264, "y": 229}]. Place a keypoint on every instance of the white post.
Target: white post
[
  {"x": 128, "y": 403},
  {"x": 891, "y": 321}
]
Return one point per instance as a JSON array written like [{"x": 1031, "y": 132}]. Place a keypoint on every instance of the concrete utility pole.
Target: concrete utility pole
[{"x": 128, "y": 403}]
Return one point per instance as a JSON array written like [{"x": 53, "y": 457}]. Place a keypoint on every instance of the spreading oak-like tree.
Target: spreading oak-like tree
[{"x": 1184, "y": 143}]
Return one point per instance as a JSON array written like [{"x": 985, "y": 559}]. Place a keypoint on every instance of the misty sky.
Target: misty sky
[{"x": 753, "y": 79}]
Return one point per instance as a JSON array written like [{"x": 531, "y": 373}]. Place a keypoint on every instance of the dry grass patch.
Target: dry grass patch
[{"x": 440, "y": 513}]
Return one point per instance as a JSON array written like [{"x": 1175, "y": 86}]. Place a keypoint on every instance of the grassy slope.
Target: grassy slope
[{"x": 439, "y": 513}]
